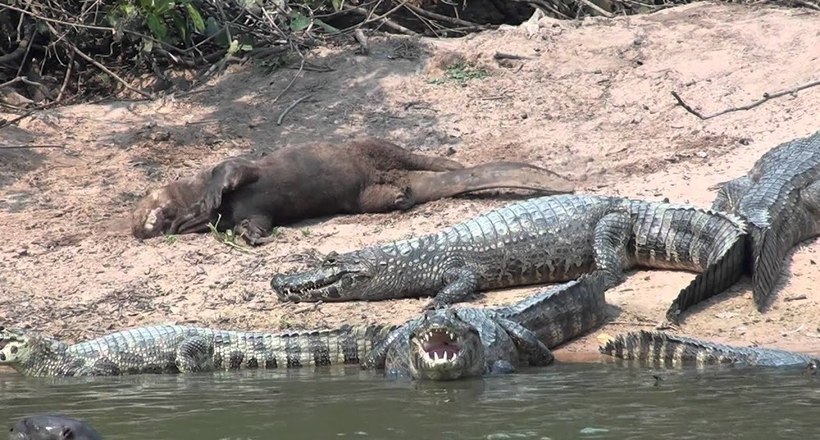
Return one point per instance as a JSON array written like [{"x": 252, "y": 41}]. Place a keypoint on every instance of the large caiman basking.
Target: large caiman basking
[
  {"x": 439, "y": 345},
  {"x": 780, "y": 200},
  {"x": 540, "y": 240}
]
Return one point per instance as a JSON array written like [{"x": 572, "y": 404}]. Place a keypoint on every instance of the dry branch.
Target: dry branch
[{"x": 766, "y": 96}]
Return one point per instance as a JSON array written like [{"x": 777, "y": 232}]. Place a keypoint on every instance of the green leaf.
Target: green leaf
[
  {"x": 199, "y": 24},
  {"x": 163, "y": 6},
  {"x": 157, "y": 26},
  {"x": 212, "y": 26},
  {"x": 298, "y": 22},
  {"x": 181, "y": 25},
  {"x": 337, "y": 4}
]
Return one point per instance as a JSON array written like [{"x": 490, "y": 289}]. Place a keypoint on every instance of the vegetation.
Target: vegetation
[{"x": 54, "y": 51}]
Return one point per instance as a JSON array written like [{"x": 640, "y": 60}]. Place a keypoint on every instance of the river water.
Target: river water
[{"x": 563, "y": 401}]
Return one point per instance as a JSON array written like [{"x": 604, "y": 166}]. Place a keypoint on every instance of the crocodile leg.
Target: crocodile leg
[
  {"x": 103, "y": 367},
  {"x": 537, "y": 354},
  {"x": 460, "y": 283},
  {"x": 611, "y": 236},
  {"x": 194, "y": 354},
  {"x": 376, "y": 358},
  {"x": 729, "y": 195}
]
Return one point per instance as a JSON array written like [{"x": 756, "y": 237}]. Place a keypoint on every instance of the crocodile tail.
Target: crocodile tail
[
  {"x": 768, "y": 251},
  {"x": 719, "y": 276},
  {"x": 426, "y": 186},
  {"x": 666, "y": 350}
]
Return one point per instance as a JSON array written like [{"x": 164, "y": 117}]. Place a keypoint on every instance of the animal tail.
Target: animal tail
[
  {"x": 768, "y": 251},
  {"x": 667, "y": 350},
  {"x": 427, "y": 187},
  {"x": 727, "y": 270}
]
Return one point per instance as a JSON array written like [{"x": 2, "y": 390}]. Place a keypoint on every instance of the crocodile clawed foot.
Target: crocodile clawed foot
[
  {"x": 667, "y": 325},
  {"x": 434, "y": 305}
]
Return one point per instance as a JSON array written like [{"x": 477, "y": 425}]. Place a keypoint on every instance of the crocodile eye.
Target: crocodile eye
[{"x": 331, "y": 258}]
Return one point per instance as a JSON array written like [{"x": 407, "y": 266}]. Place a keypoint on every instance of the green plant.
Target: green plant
[
  {"x": 460, "y": 73},
  {"x": 227, "y": 238},
  {"x": 184, "y": 14}
]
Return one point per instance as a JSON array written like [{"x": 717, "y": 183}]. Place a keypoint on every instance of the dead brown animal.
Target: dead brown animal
[{"x": 300, "y": 182}]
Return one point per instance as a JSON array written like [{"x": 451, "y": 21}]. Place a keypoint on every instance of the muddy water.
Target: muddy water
[{"x": 568, "y": 401}]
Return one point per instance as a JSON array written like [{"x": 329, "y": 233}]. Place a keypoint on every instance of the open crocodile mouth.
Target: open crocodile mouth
[
  {"x": 288, "y": 288},
  {"x": 440, "y": 346}
]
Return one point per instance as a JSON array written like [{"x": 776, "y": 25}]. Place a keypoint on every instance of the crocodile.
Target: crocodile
[
  {"x": 434, "y": 346},
  {"x": 366, "y": 175},
  {"x": 460, "y": 343},
  {"x": 183, "y": 349},
  {"x": 666, "y": 350},
  {"x": 539, "y": 240},
  {"x": 52, "y": 427},
  {"x": 779, "y": 198}
]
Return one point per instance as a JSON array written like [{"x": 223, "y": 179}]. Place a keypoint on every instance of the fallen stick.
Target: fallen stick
[
  {"x": 766, "y": 96},
  {"x": 290, "y": 107}
]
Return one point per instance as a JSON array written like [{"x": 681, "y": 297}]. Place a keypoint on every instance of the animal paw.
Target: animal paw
[
  {"x": 404, "y": 200},
  {"x": 252, "y": 233}
]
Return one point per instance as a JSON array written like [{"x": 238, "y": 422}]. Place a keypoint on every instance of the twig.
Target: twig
[
  {"x": 766, "y": 96},
  {"x": 67, "y": 76},
  {"x": 12, "y": 147},
  {"x": 292, "y": 80},
  {"x": 97, "y": 64},
  {"x": 445, "y": 18},
  {"x": 17, "y": 119},
  {"x": 290, "y": 107},
  {"x": 509, "y": 56},
  {"x": 107, "y": 70},
  {"x": 793, "y": 331},
  {"x": 596, "y": 8},
  {"x": 383, "y": 17}
]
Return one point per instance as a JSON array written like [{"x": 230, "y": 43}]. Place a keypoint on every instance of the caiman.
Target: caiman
[
  {"x": 540, "y": 240},
  {"x": 433, "y": 346},
  {"x": 666, "y": 350},
  {"x": 441, "y": 344},
  {"x": 780, "y": 200}
]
